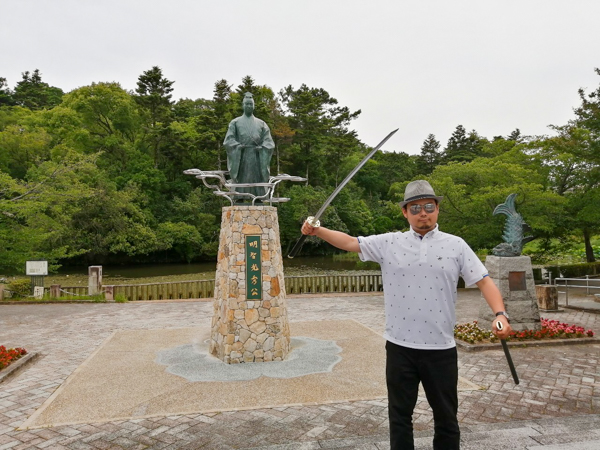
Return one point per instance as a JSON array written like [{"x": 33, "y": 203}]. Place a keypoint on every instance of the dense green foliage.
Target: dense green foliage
[{"x": 95, "y": 175}]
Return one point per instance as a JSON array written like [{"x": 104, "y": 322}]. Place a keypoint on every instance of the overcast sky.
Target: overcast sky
[{"x": 421, "y": 66}]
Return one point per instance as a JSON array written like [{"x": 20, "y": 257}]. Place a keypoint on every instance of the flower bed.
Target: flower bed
[
  {"x": 7, "y": 356},
  {"x": 551, "y": 329}
]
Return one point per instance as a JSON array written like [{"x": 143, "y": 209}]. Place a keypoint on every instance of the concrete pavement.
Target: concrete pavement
[{"x": 556, "y": 406}]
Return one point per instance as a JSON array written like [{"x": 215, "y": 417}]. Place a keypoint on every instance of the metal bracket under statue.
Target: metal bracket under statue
[{"x": 225, "y": 188}]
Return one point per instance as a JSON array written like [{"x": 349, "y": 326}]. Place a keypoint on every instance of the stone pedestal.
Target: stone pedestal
[
  {"x": 250, "y": 322},
  {"x": 547, "y": 297},
  {"x": 514, "y": 277},
  {"x": 94, "y": 280}
]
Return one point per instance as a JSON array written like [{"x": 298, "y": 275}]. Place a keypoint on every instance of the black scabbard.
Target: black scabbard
[
  {"x": 510, "y": 361},
  {"x": 511, "y": 365},
  {"x": 298, "y": 246}
]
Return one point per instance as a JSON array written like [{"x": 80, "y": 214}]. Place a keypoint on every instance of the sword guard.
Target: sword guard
[{"x": 316, "y": 223}]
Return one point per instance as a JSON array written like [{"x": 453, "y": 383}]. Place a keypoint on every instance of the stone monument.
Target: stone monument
[
  {"x": 513, "y": 273},
  {"x": 250, "y": 322}
]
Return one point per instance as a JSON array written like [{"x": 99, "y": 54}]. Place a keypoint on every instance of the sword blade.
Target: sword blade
[
  {"x": 351, "y": 174},
  {"x": 300, "y": 241}
]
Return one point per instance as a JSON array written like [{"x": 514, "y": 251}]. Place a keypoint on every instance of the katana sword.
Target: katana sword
[
  {"x": 315, "y": 219},
  {"x": 507, "y": 354}
]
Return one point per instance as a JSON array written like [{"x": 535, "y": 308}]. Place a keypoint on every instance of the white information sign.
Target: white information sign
[
  {"x": 38, "y": 292},
  {"x": 36, "y": 268}
]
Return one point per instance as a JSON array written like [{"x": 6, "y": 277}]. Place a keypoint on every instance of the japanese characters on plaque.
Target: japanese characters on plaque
[{"x": 253, "y": 268}]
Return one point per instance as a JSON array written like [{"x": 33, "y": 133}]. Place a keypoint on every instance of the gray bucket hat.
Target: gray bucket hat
[{"x": 416, "y": 190}]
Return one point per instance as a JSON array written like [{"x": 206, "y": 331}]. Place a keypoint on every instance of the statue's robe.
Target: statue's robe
[{"x": 249, "y": 165}]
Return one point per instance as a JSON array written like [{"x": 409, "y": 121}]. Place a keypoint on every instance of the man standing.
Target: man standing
[
  {"x": 249, "y": 149},
  {"x": 420, "y": 270}
]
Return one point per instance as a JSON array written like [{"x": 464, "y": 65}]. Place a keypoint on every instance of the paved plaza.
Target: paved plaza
[{"x": 556, "y": 405}]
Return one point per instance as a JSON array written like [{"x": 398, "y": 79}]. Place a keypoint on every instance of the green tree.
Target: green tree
[
  {"x": 201, "y": 209},
  {"x": 21, "y": 147},
  {"x": 6, "y": 96},
  {"x": 574, "y": 176},
  {"x": 430, "y": 156},
  {"x": 318, "y": 124},
  {"x": 463, "y": 147},
  {"x": 516, "y": 136},
  {"x": 33, "y": 93},
  {"x": 107, "y": 112},
  {"x": 380, "y": 172},
  {"x": 281, "y": 131},
  {"x": 588, "y": 119},
  {"x": 154, "y": 94},
  {"x": 223, "y": 109},
  {"x": 35, "y": 214}
]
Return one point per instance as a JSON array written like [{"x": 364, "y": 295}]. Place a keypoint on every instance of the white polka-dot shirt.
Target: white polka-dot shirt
[{"x": 420, "y": 278}]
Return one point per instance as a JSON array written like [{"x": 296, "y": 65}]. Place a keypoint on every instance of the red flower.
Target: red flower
[{"x": 9, "y": 355}]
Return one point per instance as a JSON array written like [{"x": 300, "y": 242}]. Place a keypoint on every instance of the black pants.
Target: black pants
[{"x": 437, "y": 370}]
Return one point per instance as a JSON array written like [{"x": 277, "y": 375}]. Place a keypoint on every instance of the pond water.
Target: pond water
[{"x": 295, "y": 266}]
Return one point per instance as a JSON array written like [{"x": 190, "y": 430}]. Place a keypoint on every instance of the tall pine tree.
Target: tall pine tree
[
  {"x": 31, "y": 92},
  {"x": 154, "y": 96},
  {"x": 430, "y": 155},
  {"x": 463, "y": 147}
]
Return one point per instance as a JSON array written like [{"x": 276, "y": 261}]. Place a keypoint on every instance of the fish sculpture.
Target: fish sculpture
[{"x": 514, "y": 229}]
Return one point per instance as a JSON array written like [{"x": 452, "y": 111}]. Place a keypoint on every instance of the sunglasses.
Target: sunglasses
[{"x": 416, "y": 209}]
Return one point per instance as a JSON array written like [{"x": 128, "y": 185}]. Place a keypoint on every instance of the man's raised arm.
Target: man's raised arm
[{"x": 336, "y": 238}]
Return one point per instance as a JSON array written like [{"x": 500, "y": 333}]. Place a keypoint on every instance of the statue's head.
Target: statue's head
[{"x": 248, "y": 103}]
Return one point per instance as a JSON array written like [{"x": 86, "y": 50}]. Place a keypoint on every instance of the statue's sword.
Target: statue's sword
[
  {"x": 315, "y": 220},
  {"x": 511, "y": 365}
]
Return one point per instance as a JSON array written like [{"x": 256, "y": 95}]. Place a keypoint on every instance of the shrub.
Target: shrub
[
  {"x": 120, "y": 298},
  {"x": 579, "y": 270},
  {"x": 20, "y": 288}
]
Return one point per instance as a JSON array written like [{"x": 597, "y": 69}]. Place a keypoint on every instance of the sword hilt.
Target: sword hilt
[{"x": 313, "y": 221}]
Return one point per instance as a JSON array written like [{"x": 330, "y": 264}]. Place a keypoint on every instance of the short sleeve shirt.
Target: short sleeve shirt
[{"x": 420, "y": 277}]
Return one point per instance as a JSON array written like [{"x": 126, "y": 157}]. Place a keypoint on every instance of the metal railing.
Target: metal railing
[
  {"x": 162, "y": 291},
  {"x": 310, "y": 284},
  {"x": 587, "y": 283},
  {"x": 313, "y": 284}
]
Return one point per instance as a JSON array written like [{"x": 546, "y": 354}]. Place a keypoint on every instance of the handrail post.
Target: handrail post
[{"x": 587, "y": 284}]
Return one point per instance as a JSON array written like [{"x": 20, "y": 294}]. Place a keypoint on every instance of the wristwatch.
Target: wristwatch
[{"x": 503, "y": 313}]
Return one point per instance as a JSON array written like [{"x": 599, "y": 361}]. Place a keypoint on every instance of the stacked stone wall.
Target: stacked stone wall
[{"x": 245, "y": 330}]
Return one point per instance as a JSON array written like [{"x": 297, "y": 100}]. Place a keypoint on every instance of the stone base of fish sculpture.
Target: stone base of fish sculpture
[{"x": 514, "y": 278}]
